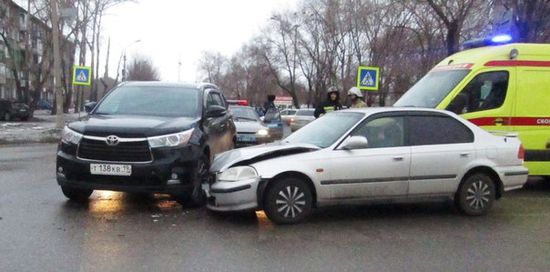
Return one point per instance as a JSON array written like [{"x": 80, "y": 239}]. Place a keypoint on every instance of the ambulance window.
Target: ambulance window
[
  {"x": 486, "y": 91},
  {"x": 430, "y": 130}
]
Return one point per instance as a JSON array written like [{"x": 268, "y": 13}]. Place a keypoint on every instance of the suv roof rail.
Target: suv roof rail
[{"x": 206, "y": 85}]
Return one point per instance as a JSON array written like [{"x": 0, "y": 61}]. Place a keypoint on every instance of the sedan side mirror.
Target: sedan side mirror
[
  {"x": 215, "y": 111},
  {"x": 355, "y": 142},
  {"x": 88, "y": 107}
]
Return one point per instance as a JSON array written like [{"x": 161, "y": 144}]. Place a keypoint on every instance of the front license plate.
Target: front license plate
[
  {"x": 246, "y": 138},
  {"x": 110, "y": 169}
]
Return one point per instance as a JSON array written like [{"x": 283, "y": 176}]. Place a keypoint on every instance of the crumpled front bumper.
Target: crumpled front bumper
[{"x": 232, "y": 196}]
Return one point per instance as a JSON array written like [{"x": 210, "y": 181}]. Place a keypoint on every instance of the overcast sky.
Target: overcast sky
[{"x": 181, "y": 29}]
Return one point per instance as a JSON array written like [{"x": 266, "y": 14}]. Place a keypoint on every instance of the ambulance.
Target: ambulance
[{"x": 499, "y": 88}]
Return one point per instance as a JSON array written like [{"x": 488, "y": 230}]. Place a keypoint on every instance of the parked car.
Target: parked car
[
  {"x": 287, "y": 114},
  {"x": 146, "y": 137},
  {"x": 44, "y": 105},
  {"x": 370, "y": 155},
  {"x": 302, "y": 118},
  {"x": 10, "y": 110},
  {"x": 250, "y": 129}
]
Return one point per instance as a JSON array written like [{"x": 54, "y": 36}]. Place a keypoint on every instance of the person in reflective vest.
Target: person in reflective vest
[{"x": 331, "y": 104}]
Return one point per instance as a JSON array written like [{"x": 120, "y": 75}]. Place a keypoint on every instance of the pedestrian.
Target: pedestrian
[
  {"x": 270, "y": 103},
  {"x": 332, "y": 103},
  {"x": 356, "y": 97}
]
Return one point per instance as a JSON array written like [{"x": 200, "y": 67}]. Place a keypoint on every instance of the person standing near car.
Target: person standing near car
[
  {"x": 356, "y": 97},
  {"x": 270, "y": 103},
  {"x": 332, "y": 103}
]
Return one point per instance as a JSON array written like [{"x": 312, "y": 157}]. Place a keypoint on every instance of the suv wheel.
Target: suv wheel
[
  {"x": 197, "y": 197},
  {"x": 476, "y": 195},
  {"x": 288, "y": 201},
  {"x": 75, "y": 194}
]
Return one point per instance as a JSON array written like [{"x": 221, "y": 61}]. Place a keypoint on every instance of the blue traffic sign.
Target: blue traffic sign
[
  {"x": 368, "y": 78},
  {"x": 82, "y": 75}
]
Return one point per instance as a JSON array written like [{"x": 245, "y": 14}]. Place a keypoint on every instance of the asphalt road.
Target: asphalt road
[{"x": 41, "y": 231}]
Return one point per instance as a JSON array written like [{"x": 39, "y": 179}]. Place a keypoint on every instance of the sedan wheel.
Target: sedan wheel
[
  {"x": 476, "y": 195},
  {"x": 289, "y": 201}
]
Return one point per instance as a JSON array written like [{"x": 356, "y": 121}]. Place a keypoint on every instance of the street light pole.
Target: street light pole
[
  {"x": 123, "y": 54},
  {"x": 59, "y": 122}
]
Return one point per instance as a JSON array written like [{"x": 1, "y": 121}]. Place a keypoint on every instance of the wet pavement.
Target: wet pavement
[{"x": 41, "y": 231}]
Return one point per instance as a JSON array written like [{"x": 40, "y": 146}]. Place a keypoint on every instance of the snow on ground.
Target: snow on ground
[{"x": 40, "y": 128}]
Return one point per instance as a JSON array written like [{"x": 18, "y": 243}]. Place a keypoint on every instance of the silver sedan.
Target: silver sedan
[{"x": 370, "y": 155}]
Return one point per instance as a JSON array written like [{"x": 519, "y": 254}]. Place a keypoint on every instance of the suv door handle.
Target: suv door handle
[
  {"x": 464, "y": 154},
  {"x": 398, "y": 158}
]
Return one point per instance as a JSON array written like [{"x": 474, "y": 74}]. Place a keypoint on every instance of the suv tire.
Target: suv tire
[{"x": 76, "y": 194}]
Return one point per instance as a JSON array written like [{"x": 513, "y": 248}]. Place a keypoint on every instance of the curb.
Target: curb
[{"x": 46, "y": 136}]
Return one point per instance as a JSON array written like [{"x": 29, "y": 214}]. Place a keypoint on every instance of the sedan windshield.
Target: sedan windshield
[
  {"x": 324, "y": 131},
  {"x": 431, "y": 89},
  {"x": 151, "y": 101},
  {"x": 246, "y": 114}
]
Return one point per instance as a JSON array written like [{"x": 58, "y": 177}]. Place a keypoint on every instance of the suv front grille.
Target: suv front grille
[{"x": 90, "y": 149}]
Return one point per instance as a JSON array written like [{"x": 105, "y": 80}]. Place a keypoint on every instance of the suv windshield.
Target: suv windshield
[
  {"x": 431, "y": 89},
  {"x": 151, "y": 100},
  {"x": 324, "y": 131}
]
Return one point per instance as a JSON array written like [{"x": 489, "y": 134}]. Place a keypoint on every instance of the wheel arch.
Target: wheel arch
[
  {"x": 265, "y": 184},
  {"x": 499, "y": 186}
]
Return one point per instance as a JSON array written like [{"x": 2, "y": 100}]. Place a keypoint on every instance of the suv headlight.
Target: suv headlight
[
  {"x": 238, "y": 173},
  {"x": 170, "y": 140},
  {"x": 70, "y": 136}
]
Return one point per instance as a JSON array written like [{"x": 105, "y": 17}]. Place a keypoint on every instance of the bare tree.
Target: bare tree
[
  {"x": 212, "y": 65},
  {"x": 142, "y": 69}
]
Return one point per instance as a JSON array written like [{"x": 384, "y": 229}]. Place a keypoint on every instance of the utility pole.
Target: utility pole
[
  {"x": 124, "y": 68},
  {"x": 59, "y": 122}
]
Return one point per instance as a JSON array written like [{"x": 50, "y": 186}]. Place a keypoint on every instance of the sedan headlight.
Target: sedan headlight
[
  {"x": 238, "y": 173},
  {"x": 70, "y": 136},
  {"x": 170, "y": 140},
  {"x": 262, "y": 132}
]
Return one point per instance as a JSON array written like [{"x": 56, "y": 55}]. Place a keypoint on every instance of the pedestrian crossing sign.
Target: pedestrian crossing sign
[
  {"x": 82, "y": 75},
  {"x": 368, "y": 78}
]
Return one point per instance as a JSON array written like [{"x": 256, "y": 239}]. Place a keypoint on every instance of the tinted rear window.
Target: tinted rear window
[{"x": 430, "y": 130}]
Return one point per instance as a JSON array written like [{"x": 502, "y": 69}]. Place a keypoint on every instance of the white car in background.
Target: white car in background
[
  {"x": 364, "y": 155},
  {"x": 287, "y": 114},
  {"x": 302, "y": 118}
]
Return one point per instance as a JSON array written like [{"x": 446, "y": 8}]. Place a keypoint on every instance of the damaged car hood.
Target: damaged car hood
[{"x": 249, "y": 155}]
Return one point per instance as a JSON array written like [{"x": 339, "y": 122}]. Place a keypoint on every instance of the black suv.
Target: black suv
[
  {"x": 10, "y": 110},
  {"x": 147, "y": 137}
]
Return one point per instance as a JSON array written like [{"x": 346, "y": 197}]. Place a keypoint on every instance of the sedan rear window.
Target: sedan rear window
[
  {"x": 430, "y": 130},
  {"x": 305, "y": 113}
]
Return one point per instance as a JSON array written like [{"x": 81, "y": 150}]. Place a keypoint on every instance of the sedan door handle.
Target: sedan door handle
[
  {"x": 398, "y": 158},
  {"x": 464, "y": 154}
]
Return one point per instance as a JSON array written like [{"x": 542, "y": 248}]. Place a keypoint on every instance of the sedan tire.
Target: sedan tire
[
  {"x": 476, "y": 194},
  {"x": 76, "y": 194},
  {"x": 288, "y": 201}
]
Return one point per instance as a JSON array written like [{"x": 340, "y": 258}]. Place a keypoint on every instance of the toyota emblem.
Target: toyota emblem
[{"x": 111, "y": 140}]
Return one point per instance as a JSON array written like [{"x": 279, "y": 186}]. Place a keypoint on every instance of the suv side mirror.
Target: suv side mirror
[
  {"x": 88, "y": 107},
  {"x": 215, "y": 111},
  {"x": 355, "y": 142}
]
